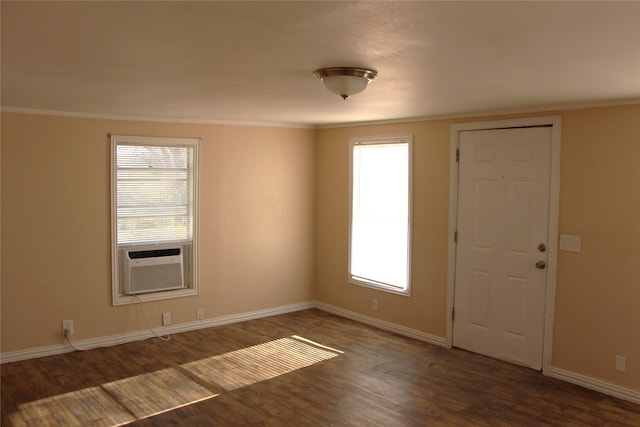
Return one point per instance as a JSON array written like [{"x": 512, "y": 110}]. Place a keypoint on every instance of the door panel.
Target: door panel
[{"x": 503, "y": 215}]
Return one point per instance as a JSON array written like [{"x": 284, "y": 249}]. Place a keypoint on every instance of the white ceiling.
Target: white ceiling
[{"x": 253, "y": 61}]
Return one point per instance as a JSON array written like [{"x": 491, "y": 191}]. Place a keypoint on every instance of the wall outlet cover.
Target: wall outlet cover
[
  {"x": 166, "y": 318},
  {"x": 67, "y": 324}
]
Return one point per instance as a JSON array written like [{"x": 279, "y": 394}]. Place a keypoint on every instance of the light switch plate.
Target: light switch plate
[{"x": 570, "y": 243}]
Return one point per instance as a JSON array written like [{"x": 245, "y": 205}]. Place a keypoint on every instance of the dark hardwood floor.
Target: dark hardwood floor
[{"x": 256, "y": 374}]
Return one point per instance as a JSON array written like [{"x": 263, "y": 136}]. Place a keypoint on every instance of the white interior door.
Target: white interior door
[{"x": 502, "y": 239}]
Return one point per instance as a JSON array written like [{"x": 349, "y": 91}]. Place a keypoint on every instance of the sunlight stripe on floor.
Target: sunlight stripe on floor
[
  {"x": 258, "y": 363},
  {"x": 157, "y": 392},
  {"x": 87, "y": 407}
]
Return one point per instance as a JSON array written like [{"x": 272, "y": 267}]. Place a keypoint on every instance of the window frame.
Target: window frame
[
  {"x": 119, "y": 298},
  {"x": 380, "y": 140}
]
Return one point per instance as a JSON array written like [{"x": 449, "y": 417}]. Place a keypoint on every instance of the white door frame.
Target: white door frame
[{"x": 554, "y": 194}]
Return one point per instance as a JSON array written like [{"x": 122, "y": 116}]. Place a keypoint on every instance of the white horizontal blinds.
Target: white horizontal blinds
[
  {"x": 380, "y": 213},
  {"x": 154, "y": 193}
]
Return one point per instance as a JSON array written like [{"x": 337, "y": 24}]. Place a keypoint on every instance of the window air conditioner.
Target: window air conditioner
[{"x": 153, "y": 270}]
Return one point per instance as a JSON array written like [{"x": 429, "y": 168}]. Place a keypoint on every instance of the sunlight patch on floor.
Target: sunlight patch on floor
[
  {"x": 87, "y": 407},
  {"x": 157, "y": 392},
  {"x": 123, "y": 401},
  {"x": 114, "y": 404},
  {"x": 260, "y": 362}
]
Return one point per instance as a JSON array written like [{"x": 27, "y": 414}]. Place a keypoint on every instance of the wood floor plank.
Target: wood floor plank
[{"x": 373, "y": 378}]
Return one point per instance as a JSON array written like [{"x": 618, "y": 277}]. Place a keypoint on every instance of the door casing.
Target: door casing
[{"x": 554, "y": 194}]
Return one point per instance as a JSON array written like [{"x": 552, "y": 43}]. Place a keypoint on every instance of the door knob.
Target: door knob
[{"x": 541, "y": 265}]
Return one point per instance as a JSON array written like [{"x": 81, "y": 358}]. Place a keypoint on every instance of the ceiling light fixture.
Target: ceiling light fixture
[{"x": 345, "y": 81}]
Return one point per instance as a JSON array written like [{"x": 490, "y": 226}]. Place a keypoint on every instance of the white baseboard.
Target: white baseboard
[
  {"x": 381, "y": 324},
  {"x": 595, "y": 384},
  {"x": 88, "y": 344}
]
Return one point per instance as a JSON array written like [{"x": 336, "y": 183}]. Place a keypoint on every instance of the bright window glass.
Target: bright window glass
[{"x": 380, "y": 212}]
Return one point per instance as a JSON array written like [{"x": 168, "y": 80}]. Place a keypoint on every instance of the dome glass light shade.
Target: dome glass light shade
[{"x": 345, "y": 81}]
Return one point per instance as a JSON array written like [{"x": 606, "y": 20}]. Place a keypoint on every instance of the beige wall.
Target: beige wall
[
  {"x": 425, "y": 309},
  {"x": 262, "y": 191},
  {"x": 256, "y": 225},
  {"x": 598, "y": 291}
]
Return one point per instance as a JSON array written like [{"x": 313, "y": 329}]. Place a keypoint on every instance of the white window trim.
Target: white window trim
[
  {"x": 389, "y": 139},
  {"x": 117, "y": 297}
]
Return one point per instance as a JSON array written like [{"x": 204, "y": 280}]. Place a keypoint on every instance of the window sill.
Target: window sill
[
  {"x": 154, "y": 296},
  {"x": 381, "y": 287}
]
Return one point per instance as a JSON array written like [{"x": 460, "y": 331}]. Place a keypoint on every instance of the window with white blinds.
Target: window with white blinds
[{"x": 154, "y": 193}]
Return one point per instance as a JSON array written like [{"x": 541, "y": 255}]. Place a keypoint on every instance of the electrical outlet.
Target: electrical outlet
[
  {"x": 621, "y": 361},
  {"x": 67, "y": 325},
  {"x": 200, "y": 314},
  {"x": 374, "y": 305},
  {"x": 166, "y": 318}
]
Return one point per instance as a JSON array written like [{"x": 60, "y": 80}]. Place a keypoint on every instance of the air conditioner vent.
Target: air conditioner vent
[
  {"x": 153, "y": 253},
  {"x": 153, "y": 270}
]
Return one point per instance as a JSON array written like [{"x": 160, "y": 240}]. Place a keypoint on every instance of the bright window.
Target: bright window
[
  {"x": 154, "y": 206},
  {"x": 381, "y": 212}
]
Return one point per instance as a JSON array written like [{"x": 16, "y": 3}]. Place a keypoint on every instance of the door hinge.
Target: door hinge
[
  {"x": 457, "y": 154},
  {"x": 453, "y": 314},
  {"x": 455, "y": 236}
]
